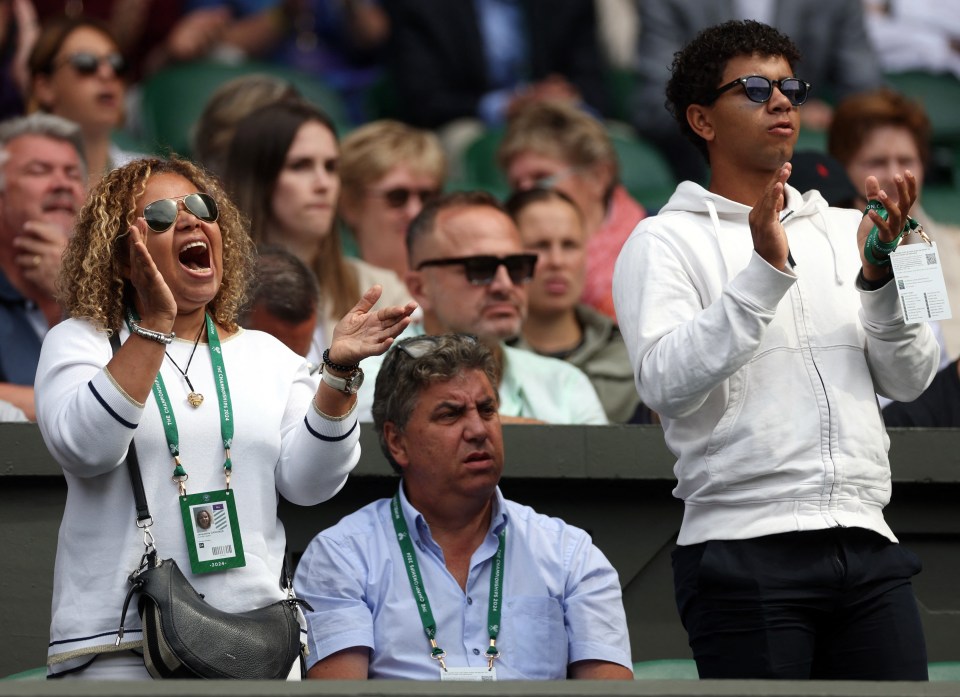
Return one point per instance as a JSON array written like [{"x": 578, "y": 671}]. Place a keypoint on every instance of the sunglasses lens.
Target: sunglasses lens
[
  {"x": 795, "y": 90},
  {"x": 397, "y": 198},
  {"x": 481, "y": 270},
  {"x": 520, "y": 268},
  {"x": 84, "y": 63},
  {"x": 160, "y": 215},
  {"x": 203, "y": 206},
  {"x": 757, "y": 88},
  {"x": 118, "y": 63},
  {"x": 418, "y": 346}
]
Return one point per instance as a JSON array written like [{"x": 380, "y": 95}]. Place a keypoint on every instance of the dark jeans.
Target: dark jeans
[{"x": 824, "y": 605}]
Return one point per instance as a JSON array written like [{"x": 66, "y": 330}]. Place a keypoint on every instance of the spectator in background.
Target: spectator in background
[
  {"x": 937, "y": 407},
  {"x": 933, "y": 24},
  {"x": 283, "y": 173},
  {"x": 557, "y": 324},
  {"x": 819, "y": 171},
  {"x": 77, "y": 72},
  {"x": 837, "y": 59},
  {"x": 459, "y": 65},
  {"x": 447, "y": 532},
  {"x": 388, "y": 170},
  {"x": 341, "y": 43},
  {"x": 468, "y": 273},
  {"x": 42, "y": 187},
  {"x": 880, "y": 133},
  {"x": 558, "y": 146},
  {"x": 150, "y": 33},
  {"x": 229, "y": 104},
  {"x": 19, "y": 29},
  {"x": 283, "y": 299}
]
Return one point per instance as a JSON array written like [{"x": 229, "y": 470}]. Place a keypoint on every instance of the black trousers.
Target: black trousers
[{"x": 825, "y": 605}]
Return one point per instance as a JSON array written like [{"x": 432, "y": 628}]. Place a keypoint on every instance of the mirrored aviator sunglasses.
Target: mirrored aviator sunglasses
[
  {"x": 162, "y": 214},
  {"x": 418, "y": 346},
  {"x": 481, "y": 269},
  {"x": 87, "y": 64}
]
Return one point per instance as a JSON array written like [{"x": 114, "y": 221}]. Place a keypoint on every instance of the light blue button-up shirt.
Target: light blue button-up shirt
[
  {"x": 562, "y": 599},
  {"x": 532, "y": 386}
]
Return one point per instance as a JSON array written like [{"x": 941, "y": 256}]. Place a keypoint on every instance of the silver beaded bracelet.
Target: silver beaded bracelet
[{"x": 159, "y": 337}]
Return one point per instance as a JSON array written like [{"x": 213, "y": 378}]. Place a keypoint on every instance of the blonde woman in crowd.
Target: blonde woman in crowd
[
  {"x": 558, "y": 146},
  {"x": 388, "y": 170}
]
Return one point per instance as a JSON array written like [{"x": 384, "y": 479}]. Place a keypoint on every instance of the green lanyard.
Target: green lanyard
[
  {"x": 420, "y": 594},
  {"x": 180, "y": 475}
]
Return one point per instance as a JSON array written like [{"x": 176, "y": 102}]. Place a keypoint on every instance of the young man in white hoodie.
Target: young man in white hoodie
[{"x": 760, "y": 333}]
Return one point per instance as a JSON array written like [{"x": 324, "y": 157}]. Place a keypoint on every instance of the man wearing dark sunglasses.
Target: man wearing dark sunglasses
[
  {"x": 42, "y": 185},
  {"x": 761, "y": 330},
  {"x": 468, "y": 274}
]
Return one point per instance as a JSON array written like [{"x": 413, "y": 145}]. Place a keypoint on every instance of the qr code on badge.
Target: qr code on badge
[{"x": 931, "y": 259}]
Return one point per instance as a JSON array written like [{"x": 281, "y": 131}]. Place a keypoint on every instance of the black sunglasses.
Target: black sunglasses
[
  {"x": 482, "y": 269},
  {"x": 162, "y": 214},
  {"x": 418, "y": 346},
  {"x": 759, "y": 89},
  {"x": 397, "y": 198},
  {"x": 87, "y": 64}
]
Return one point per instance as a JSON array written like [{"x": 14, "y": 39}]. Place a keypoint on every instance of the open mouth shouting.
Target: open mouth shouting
[{"x": 195, "y": 257}]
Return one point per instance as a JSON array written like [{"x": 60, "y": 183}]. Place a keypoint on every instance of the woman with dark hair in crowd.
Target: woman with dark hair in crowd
[
  {"x": 77, "y": 72},
  {"x": 283, "y": 172}
]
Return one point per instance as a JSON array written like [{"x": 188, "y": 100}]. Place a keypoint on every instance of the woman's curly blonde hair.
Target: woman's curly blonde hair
[{"x": 92, "y": 281}]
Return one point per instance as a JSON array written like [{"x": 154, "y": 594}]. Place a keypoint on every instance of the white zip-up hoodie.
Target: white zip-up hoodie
[{"x": 766, "y": 380}]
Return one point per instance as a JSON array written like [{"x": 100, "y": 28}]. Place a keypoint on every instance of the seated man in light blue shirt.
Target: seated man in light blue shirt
[
  {"x": 468, "y": 272},
  {"x": 448, "y": 579}
]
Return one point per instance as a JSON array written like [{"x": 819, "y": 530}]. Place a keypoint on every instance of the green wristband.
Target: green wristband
[{"x": 873, "y": 245}]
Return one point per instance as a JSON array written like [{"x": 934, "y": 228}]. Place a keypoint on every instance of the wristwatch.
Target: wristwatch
[{"x": 348, "y": 385}]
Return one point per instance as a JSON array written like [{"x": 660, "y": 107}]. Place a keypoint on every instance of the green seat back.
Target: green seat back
[
  {"x": 174, "y": 98},
  {"x": 666, "y": 669}
]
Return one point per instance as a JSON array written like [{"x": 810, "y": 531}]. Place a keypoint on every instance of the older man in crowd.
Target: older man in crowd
[
  {"x": 448, "y": 579},
  {"x": 42, "y": 186}
]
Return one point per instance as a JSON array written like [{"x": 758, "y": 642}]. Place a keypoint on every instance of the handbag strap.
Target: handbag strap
[{"x": 133, "y": 465}]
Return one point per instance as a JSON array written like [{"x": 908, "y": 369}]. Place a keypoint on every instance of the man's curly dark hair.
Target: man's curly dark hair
[{"x": 698, "y": 68}]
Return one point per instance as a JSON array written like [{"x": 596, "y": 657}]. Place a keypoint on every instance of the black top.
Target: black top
[{"x": 937, "y": 407}]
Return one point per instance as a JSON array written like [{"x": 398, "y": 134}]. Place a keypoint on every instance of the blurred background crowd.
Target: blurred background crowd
[{"x": 378, "y": 106}]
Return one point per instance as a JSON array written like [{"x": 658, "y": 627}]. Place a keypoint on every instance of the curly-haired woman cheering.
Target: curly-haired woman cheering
[{"x": 160, "y": 258}]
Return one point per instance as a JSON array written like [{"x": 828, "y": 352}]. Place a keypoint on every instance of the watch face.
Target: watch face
[
  {"x": 353, "y": 383},
  {"x": 347, "y": 385}
]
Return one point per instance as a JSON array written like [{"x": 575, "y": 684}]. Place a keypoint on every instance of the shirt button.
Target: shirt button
[
  {"x": 469, "y": 600},
  {"x": 476, "y": 652}
]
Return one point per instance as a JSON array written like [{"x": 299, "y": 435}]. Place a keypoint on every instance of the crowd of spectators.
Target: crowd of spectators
[{"x": 382, "y": 199}]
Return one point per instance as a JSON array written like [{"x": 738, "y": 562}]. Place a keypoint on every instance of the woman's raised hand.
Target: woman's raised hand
[
  {"x": 157, "y": 307},
  {"x": 363, "y": 332}
]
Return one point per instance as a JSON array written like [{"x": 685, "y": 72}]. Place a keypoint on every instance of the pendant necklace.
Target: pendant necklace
[{"x": 195, "y": 398}]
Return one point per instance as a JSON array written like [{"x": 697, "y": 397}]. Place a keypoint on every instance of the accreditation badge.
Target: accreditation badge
[
  {"x": 469, "y": 674},
  {"x": 212, "y": 531}
]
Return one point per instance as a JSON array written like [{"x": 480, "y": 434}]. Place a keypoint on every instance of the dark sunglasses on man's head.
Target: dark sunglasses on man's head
[
  {"x": 417, "y": 346},
  {"x": 398, "y": 197},
  {"x": 87, "y": 64},
  {"x": 482, "y": 269},
  {"x": 759, "y": 89},
  {"x": 162, "y": 214}
]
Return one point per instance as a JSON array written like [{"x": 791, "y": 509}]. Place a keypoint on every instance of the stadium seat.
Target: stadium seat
[
  {"x": 174, "y": 98},
  {"x": 666, "y": 669}
]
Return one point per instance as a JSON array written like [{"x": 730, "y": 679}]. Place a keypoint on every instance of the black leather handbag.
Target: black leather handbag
[{"x": 186, "y": 637}]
